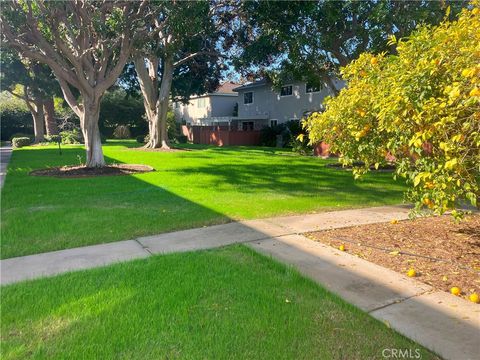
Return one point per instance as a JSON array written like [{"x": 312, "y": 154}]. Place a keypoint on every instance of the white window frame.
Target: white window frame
[
  {"x": 311, "y": 92},
  {"x": 291, "y": 85},
  {"x": 204, "y": 100},
  {"x": 253, "y": 98}
]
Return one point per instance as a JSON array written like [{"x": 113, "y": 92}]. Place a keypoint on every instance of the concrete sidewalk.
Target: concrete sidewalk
[
  {"x": 5, "y": 155},
  {"x": 448, "y": 325},
  {"x": 56, "y": 262},
  {"x": 443, "y": 323}
]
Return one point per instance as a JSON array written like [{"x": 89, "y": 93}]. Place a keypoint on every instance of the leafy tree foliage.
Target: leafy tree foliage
[
  {"x": 421, "y": 106},
  {"x": 310, "y": 40},
  {"x": 35, "y": 84},
  {"x": 174, "y": 50},
  {"x": 86, "y": 45}
]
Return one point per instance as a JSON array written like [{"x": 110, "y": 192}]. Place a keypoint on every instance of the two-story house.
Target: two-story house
[
  {"x": 260, "y": 105},
  {"x": 210, "y": 118}
]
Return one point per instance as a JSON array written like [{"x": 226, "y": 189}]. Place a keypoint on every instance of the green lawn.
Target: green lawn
[
  {"x": 229, "y": 303},
  {"x": 203, "y": 186}
]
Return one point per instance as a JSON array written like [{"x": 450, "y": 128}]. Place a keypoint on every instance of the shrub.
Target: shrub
[
  {"x": 16, "y": 118},
  {"x": 71, "y": 137},
  {"x": 182, "y": 139},
  {"x": 421, "y": 106},
  {"x": 22, "y": 135},
  {"x": 122, "y": 132},
  {"x": 19, "y": 142}
]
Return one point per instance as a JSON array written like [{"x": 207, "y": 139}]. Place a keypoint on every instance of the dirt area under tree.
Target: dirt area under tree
[
  {"x": 443, "y": 253},
  {"x": 83, "y": 171}
]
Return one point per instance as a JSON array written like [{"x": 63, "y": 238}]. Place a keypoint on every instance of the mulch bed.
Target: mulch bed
[
  {"x": 443, "y": 253},
  {"x": 82, "y": 171}
]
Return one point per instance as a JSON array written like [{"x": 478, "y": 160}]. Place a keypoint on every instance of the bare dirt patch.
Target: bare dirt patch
[
  {"x": 443, "y": 253},
  {"x": 83, "y": 171}
]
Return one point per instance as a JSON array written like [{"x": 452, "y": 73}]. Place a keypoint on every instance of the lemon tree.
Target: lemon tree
[{"x": 420, "y": 107}]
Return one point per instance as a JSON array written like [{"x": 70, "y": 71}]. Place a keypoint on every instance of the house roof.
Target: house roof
[
  {"x": 226, "y": 88},
  {"x": 251, "y": 85}
]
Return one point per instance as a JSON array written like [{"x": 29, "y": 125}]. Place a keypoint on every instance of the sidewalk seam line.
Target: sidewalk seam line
[
  {"x": 143, "y": 247},
  {"x": 399, "y": 301}
]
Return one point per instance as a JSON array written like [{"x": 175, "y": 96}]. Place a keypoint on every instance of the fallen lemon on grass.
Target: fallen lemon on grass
[
  {"x": 474, "y": 298},
  {"x": 455, "y": 291},
  {"x": 411, "y": 273},
  {"x": 341, "y": 247}
]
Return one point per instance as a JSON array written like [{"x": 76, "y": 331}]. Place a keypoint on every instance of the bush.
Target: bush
[
  {"x": 19, "y": 142},
  {"x": 71, "y": 137},
  {"x": 182, "y": 139},
  {"x": 16, "y": 118},
  {"x": 22, "y": 135},
  {"x": 420, "y": 106},
  {"x": 122, "y": 132},
  {"x": 268, "y": 135}
]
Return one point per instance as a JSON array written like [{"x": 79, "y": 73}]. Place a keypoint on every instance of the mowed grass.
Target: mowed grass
[
  {"x": 229, "y": 303},
  {"x": 203, "y": 186}
]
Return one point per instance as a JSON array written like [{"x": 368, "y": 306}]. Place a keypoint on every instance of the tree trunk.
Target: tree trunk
[
  {"x": 147, "y": 75},
  {"x": 38, "y": 121},
  {"x": 162, "y": 104},
  {"x": 50, "y": 122},
  {"x": 91, "y": 133}
]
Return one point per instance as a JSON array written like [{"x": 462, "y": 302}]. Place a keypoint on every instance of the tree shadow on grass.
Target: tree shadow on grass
[{"x": 44, "y": 214}]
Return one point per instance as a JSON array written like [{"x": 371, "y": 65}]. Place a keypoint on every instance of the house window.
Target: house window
[
  {"x": 312, "y": 87},
  {"x": 286, "y": 90},
  {"x": 247, "y": 125},
  {"x": 201, "y": 103},
  {"x": 248, "y": 98},
  {"x": 273, "y": 122}
]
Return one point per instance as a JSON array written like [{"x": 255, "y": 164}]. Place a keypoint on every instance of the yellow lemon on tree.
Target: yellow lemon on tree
[
  {"x": 411, "y": 273},
  {"x": 341, "y": 247},
  {"x": 474, "y": 298},
  {"x": 373, "y": 61},
  {"x": 455, "y": 291},
  {"x": 475, "y": 92}
]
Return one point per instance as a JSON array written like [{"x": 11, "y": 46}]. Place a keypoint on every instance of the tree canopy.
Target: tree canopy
[
  {"x": 310, "y": 40},
  {"x": 86, "y": 44}
]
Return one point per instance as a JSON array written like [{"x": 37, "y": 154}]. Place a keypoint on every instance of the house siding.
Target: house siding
[
  {"x": 268, "y": 102},
  {"x": 214, "y": 106}
]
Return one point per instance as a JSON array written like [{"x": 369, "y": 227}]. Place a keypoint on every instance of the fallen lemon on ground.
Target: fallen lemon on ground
[
  {"x": 394, "y": 221},
  {"x": 455, "y": 291},
  {"x": 411, "y": 273},
  {"x": 341, "y": 247},
  {"x": 474, "y": 298}
]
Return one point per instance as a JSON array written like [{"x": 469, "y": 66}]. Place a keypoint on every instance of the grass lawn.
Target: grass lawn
[
  {"x": 204, "y": 186},
  {"x": 217, "y": 304}
]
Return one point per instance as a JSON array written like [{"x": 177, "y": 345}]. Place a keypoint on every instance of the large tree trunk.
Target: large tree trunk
[
  {"x": 38, "y": 121},
  {"x": 162, "y": 104},
  {"x": 50, "y": 122},
  {"x": 91, "y": 133},
  {"x": 147, "y": 75}
]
